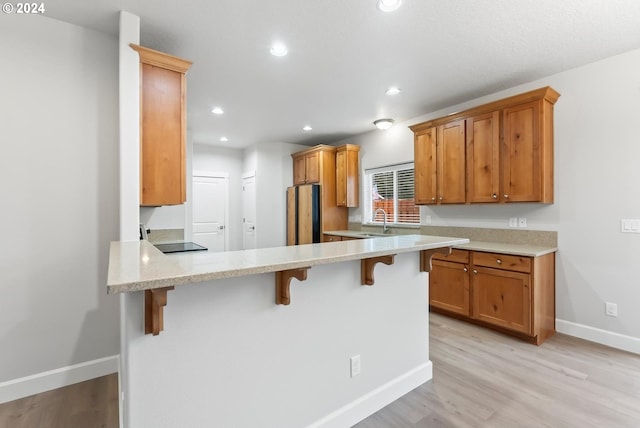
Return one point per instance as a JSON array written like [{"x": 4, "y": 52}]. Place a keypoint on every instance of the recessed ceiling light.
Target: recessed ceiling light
[
  {"x": 217, "y": 110},
  {"x": 223, "y": 139},
  {"x": 278, "y": 49},
  {"x": 388, "y": 5},
  {"x": 307, "y": 128},
  {"x": 383, "y": 124},
  {"x": 392, "y": 91}
]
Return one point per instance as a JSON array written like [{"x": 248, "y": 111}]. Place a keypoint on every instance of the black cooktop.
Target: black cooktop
[{"x": 179, "y": 247}]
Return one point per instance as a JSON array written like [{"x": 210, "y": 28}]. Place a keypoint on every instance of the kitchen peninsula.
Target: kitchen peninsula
[{"x": 238, "y": 338}]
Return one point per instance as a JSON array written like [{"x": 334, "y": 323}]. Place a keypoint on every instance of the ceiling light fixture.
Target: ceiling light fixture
[
  {"x": 307, "y": 128},
  {"x": 393, "y": 91},
  {"x": 217, "y": 110},
  {"x": 224, "y": 139},
  {"x": 388, "y": 5},
  {"x": 278, "y": 49},
  {"x": 383, "y": 124}
]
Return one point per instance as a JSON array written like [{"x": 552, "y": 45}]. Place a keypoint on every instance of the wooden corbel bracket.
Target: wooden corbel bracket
[
  {"x": 425, "y": 257},
  {"x": 283, "y": 281},
  {"x": 154, "y": 302},
  {"x": 367, "y": 265}
]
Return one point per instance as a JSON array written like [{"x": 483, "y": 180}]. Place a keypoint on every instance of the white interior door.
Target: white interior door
[
  {"x": 249, "y": 211},
  {"x": 210, "y": 202}
]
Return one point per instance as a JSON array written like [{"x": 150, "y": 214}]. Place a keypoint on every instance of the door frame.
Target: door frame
[
  {"x": 245, "y": 175},
  {"x": 225, "y": 177}
]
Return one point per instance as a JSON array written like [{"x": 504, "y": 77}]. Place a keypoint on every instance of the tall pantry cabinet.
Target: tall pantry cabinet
[{"x": 162, "y": 128}]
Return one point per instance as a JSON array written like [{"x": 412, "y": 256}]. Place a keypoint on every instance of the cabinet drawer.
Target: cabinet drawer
[
  {"x": 330, "y": 238},
  {"x": 459, "y": 256},
  {"x": 502, "y": 261}
]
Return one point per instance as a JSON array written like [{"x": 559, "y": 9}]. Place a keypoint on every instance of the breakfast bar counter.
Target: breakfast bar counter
[
  {"x": 234, "y": 337},
  {"x": 138, "y": 265}
]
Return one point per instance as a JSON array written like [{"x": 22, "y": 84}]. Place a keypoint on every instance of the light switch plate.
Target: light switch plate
[
  {"x": 355, "y": 365},
  {"x": 611, "y": 309},
  {"x": 513, "y": 222},
  {"x": 630, "y": 225}
]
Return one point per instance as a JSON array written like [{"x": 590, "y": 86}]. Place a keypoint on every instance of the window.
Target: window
[{"x": 390, "y": 188}]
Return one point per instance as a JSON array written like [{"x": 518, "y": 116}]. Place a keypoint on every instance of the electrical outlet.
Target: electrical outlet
[
  {"x": 355, "y": 365},
  {"x": 611, "y": 309},
  {"x": 427, "y": 219},
  {"x": 522, "y": 222},
  {"x": 513, "y": 222}
]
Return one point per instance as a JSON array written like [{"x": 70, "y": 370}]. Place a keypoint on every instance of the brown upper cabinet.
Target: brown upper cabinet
[
  {"x": 162, "y": 128},
  {"x": 307, "y": 165},
  {"x": 347, "y": 175},
  {"x": 440, "y": 164},
  {"x": 496, "y": 152},
  {"x": 483, "y": 157}
]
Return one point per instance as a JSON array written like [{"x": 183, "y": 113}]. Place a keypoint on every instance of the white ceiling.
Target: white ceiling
[{"x": 343, "y": 54}]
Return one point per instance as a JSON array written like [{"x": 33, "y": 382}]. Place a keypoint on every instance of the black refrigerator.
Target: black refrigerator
[{"x": 303, "y": 214}]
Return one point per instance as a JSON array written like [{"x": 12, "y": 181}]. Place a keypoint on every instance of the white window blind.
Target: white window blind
[{"x": 391, "y": 189}]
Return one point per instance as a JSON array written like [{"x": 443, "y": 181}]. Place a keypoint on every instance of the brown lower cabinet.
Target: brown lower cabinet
[
  {"x": 335, "y": 238},
  {"x": 512, "y": 294}
]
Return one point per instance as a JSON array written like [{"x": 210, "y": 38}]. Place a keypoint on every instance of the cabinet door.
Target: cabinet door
[
  {"x": 502, "y": 298},
  {"x": 449, "y": 287},
  {"x": 451, "y": 163},
  {"x": 424, "y": 148},
  {"x": 341, "y": 178},
  {"x": 347, "y": 174},
  {"x": 312, "y": 165},
  {"x": 521, "y": 154},
  {"x": 162, "y": 161},
  {"x": 483, "y": 158},
  {"x": 299, "y": 170}
]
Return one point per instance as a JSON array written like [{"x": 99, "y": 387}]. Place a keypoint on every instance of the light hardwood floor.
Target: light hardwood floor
[
  {"x": 481, "y": 379},
  {"x": 485, "y": 379},
  {"x": 90, "y": 404}
]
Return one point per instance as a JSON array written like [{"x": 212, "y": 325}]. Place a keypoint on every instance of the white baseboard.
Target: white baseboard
[
  {"x": 375, "y": 400},
  {"x": 46, "y": 381},
  {"x": 603, "y": 337}
]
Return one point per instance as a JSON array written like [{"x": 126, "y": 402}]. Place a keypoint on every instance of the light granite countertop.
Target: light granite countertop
[
  {"x": 138, "y": 265},
  {"x": 493, "y": 247},
  {"x": 504, "y": 248}
]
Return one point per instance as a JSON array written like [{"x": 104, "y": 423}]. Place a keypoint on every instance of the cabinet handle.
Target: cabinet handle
[
  {"x": 465, "y": 269},
  {"x": 499, "y": 261},
  {"x": 494, "y": 196},
  {"x": 506, "y": 196},
  {"x": 441, "y": 198},
  {"x": 475, "y": 272},
  {"x": 433, "y": 199}
]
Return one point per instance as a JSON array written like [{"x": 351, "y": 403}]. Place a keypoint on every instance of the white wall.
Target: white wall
[
  {"x": 230, "y": 357},
  {"x": 59, "y": 185},
  {"x": 597, "y": 171},
  {"x": 230, "y": 161},
  {"x": 273, "y": 165}
]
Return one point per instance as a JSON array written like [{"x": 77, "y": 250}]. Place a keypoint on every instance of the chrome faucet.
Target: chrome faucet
[{"x": 385, "y": 229}]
